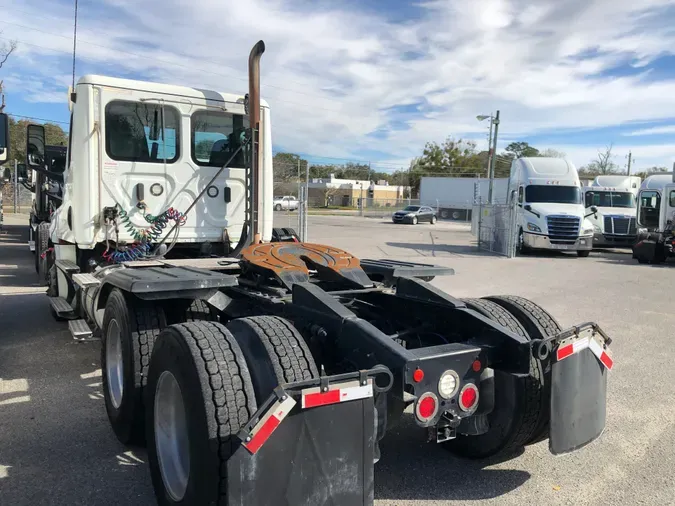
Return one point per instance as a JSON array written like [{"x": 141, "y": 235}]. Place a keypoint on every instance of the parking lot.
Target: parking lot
[{"x": 56, "y": 447}]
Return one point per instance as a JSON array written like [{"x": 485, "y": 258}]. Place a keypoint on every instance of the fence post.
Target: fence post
[
  {"x": 16, "y": 185},
  {"x": 301, "y": 213},
  {"x": 480, "y": 220}
]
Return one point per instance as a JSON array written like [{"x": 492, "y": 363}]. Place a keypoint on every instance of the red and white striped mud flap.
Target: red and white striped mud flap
[
  {"x": 569, "y": 347},
  {"x": 339, "y": 392},
  {"x": 268, "y": 423}
]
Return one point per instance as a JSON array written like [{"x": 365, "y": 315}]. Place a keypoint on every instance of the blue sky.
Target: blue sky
[{"x": 375, "y": 79}]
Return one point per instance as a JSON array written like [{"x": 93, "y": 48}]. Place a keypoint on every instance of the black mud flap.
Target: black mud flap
[
  {"x": 299, "y": 454},
  {"x": 578, "y": 391}
]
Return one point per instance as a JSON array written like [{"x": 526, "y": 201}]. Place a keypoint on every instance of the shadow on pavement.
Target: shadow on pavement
[
  {"x": 411, "y": 468},
  {"x": 433, "y": 249}
]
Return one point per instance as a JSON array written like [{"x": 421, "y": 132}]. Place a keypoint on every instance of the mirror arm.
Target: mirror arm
[{"x": 52, "y": 175}]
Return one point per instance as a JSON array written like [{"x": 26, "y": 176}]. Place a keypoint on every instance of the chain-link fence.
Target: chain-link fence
[
  {"x": 16, "y": 197},
  {"x": 494, "y": 226}
]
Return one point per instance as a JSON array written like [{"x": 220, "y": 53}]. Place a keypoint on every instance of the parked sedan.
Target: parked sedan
[{"x": 414, "y": 215}]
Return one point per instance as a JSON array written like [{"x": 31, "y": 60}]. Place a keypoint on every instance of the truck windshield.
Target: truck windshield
[
  {"x": 553, "y": 194},
  {"x": 612, "y": 199}
]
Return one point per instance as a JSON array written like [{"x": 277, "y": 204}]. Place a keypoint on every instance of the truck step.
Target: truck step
[
  {"x": 80, "y": 330},
  {"x": 67, "y": 266},
  {"x": 61, "y": 307},
  {"x": 85, "y": 280},
  {"x": 31, "y": 246}
]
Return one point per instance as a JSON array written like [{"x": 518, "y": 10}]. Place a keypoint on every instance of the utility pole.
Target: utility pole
[
  {"x": 305, "y": 205},
  {"x": 492, "y": 160},
  {"x": 489, "y": 159},
  {"x": 630, "y": 159}
]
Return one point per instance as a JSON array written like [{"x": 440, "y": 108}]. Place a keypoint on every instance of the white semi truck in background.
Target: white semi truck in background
[
  {"x": 453, "y": 197},
  {"x": 550, "y": 214},
  {"x": 655, "y": 215},
  {"x": 614, "y": 196}
]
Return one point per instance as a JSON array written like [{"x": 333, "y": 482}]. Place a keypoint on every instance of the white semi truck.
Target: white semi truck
[
  {"x": 221, "y": 358},
  {"x": 550, "y": 214},
  {"x": 615, "y": 197},
  {"x": 655, "y": 218}
]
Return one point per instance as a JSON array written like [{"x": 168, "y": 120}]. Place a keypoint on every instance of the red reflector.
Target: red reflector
[
  {"x": 565, "y": 351},
  {"x": 418, "y": 375},
  {"x": 476, "y": 365},
  {"x": 263, "y": 434},
  {"x": 606, "y": 360},
  {"x": 321, "y": 399},
  {"x": 427, "y": 407}
]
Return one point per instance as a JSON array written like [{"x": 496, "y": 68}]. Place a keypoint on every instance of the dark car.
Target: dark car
[{"x": 414, "y": 215}]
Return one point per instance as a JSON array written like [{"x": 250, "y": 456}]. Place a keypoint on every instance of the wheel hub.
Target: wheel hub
[
  {"x": 171, "y": 436},
  {"x": 114, "y": 364}
]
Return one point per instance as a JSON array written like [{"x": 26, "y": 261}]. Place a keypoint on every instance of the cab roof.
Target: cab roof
[{"x": 164, "y": 89}]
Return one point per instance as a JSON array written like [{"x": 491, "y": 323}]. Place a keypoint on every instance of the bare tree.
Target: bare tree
[
  {"x": 552, "y": 153},
  {"x": 5, "y": 51},
  {"x": 603, "y": 164}
]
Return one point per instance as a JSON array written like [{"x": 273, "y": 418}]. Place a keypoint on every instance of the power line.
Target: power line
[{"x": 38, "y": 119}]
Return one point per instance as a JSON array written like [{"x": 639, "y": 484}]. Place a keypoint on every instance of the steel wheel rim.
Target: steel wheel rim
[
  {"x": 114, "y": 364},
  {"x": 171, "y": 436}
]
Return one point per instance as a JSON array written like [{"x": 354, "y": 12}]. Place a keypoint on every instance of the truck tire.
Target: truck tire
[
  {"x": 130, "y": 327},
  {"x": 275, "y": 352},
  {"x": 180, "y": 311},
  {"x": 519, "y": 404},
  {"x": 583, "y": 253},
  {"x": 200, "y": 393},
  {"x": 539, "y": 324},
  {"x": 521, "y": 248}
]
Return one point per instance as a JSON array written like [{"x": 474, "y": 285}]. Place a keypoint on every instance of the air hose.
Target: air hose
[{"x": 143, "y": 237}]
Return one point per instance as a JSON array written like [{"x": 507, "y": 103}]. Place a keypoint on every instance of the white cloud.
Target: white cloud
[
  {"x": 669, "y": 129},
  {"x": 332, "y": 74}
]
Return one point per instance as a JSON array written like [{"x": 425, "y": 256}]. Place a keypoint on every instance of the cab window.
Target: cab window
[
  {"x": 672, "y": 198},
  {"x": 142, "y": 132},
  {"x": 650, "y": 205},
  {"x": 216, "y": 136}
]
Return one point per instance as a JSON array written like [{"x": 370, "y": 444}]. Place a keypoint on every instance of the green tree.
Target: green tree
[
  {"x": 289, "y": 167},
  {"x": 54, "y": 136},
  {"x": 521, "y": 149}
]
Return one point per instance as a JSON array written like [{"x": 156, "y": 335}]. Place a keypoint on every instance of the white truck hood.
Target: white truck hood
[
  {"x": 623, "y": 212},
  {"x": 548, "y": 209}
]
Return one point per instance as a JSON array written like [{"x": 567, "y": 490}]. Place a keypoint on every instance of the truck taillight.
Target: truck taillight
[
  {"x": 468, "y": 397},
  {"x": 426, "y": 407}
]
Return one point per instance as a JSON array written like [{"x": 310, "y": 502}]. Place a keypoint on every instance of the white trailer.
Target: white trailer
[
  {"x": 614, "y": 196},
  {"x": 453, "y": 197}
]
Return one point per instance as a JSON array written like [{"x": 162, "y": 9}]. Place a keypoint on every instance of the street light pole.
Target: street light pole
[{"x": 494, "y": 156}]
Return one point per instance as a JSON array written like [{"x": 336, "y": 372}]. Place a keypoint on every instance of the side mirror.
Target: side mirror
[
  {"x": 527, "y": 207},
  {"x": 35, "y": 146},
  {"x": 6, "y": 175},
  {"x": 594, "y": 209},
  {"x": 4, "y": 138},
  {"x": 589, "y": 199}
]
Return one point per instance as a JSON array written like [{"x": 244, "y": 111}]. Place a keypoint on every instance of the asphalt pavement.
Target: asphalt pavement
[{"x": 56, "y": 447}]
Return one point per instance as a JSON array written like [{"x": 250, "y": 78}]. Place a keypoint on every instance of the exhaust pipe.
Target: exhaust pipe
[{"x": 254, "y": 123}]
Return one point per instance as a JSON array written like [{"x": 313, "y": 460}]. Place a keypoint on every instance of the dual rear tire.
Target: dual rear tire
[
  {"x": 187, "y": 389},
  {"x": 521, "y": 411}
]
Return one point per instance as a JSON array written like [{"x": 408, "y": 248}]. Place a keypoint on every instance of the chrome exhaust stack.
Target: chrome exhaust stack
[{"x": 254, "y": 123}]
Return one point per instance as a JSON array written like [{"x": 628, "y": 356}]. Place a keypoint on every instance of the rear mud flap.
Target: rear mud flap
[
  {"x": 578, "y": 401},
  {"x": 311, "y": 445}
]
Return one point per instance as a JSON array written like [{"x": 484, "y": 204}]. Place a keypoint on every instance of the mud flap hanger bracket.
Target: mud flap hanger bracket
[
  {"x": 284, "y": 398},
  {"x": 542, "y": 348}
]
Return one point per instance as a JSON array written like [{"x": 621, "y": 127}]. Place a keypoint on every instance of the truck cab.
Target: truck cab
[
  {"x": 550, "y": 214},
  {"x": 615, "y": 197},
  {"x": 655, "y": 217}
]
